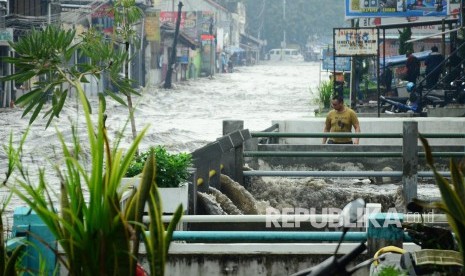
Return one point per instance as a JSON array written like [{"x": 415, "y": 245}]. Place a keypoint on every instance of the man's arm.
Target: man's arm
[
  {"x": 326, "y": 129},
  {"x": 357, "y": 130}
]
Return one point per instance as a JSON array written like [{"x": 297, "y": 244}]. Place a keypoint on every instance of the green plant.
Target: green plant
[
  {"x": 95, "y": 234},
  {"x": 49, "y": 55},
  {"x": 8, "y": 261},
  {"x": 404, "y": 36},
  {"x": 172, "y": 169},
  {"x": 391, "y": 271},
  {"x": 452, "y": 195},
  {"x": 325, "y": 92},
  {"x": 126, "y": 15}
]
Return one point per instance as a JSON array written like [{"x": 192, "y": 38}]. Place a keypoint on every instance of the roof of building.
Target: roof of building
[{"x": 169, "y": 29}]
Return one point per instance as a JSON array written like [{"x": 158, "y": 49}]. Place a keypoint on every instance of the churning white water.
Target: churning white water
[
  {"x": 189, "y": 116},
  {"x": 183, "y": 118}
]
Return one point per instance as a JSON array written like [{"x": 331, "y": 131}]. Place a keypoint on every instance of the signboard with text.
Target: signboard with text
[
  {"x": 6, "y": 35},
  {"x": 172, "y": 17},
  {"x": 356, "y": 41},
  {"x": 327, "y": 62},
  {"x": 396, "y": 8}
]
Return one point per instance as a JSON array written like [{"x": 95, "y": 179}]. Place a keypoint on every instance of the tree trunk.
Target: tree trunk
[
  {"x": 129, "y": 97},
  {"x": 172, "y": 60}
]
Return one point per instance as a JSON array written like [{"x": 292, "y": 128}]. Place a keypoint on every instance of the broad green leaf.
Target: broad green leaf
[{"x": 458, "y": 181}]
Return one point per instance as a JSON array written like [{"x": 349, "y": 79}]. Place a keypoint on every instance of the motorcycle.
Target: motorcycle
[
  {"x": 415, "y": 103},
  {"x": 334, "y": 265},
  {"x": 458, "y": 88}
]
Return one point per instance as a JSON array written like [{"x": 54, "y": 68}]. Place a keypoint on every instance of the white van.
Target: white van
[{"x": 285, "y": 54}]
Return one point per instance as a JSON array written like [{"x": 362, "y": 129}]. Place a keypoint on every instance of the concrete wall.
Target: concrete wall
[
  {"x": 378, "y": 125},
  {"x": 254, "y": 259}
]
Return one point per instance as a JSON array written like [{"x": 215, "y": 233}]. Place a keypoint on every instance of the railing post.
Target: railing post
[
  {"x": 192, "y": 192},
  {"x": 230, "y": 126},
  {"x": 383, "y": 229},
  {"x": 239, "y": 153},
  {"x": 207, "y": 162},
  {"x": 234, "y": 160},
  {"x": 410, "y": 160}
]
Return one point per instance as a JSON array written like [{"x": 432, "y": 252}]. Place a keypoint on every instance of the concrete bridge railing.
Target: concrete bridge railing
[
  {"x": 268, "y": 144},
  {"x": 229, "y": 153}
]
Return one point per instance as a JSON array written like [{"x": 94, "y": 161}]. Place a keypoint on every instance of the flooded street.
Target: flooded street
[
  {"x": 191, "y": 115},
  {"x": 184, "y": 118}
]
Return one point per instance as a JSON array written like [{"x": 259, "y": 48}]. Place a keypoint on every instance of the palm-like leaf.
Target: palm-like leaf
[
  {"x": 93, "y": 232},
  {"x": 452, "y": 203},
  {"x": 49, "y": 55}
]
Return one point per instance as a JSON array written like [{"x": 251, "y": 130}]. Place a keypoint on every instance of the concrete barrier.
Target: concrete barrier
[{"x": 378, "y": 125}]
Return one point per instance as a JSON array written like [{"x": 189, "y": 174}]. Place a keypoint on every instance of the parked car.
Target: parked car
[{"x": 285, "y": 54}]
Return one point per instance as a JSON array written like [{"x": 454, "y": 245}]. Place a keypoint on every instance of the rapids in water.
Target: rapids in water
[{"x": 191, "y": 114}]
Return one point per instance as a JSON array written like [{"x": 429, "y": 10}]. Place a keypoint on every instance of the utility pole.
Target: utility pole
[
  {"x": 172, "y": 59},
  {"x": 462, "y": 13},
  {"x": 5, "y": 90},
  {"x": 49, "y": 12},
  {"x": 353, "y": 88},
  {"x": 212, "y": 48},
  {"x": 283, "y": 43}
]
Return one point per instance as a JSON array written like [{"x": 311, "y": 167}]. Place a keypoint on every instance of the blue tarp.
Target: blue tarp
[
  {"x": 401, "y": 59},
  {"x": 233, "y": 49}
]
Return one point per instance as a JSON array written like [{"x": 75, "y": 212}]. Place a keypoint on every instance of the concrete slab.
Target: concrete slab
[{"x": 378, "y": 125}]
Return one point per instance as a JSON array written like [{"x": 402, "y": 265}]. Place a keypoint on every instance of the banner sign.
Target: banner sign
[
  {"x": 327, "y": 62},
  {"x": 6, "y": 35},
  {"x": 172, "y": 17},
  {"x": 356, "y": 42},
  {"x": 396, "y": 8},
  {"x": 152, "y": 26}
]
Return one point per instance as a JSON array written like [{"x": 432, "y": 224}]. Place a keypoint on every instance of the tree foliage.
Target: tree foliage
[
  {"x": 404, "y": 36},
  {"x": 46, "y": 57},
  {"x": 304, "y": 19}
]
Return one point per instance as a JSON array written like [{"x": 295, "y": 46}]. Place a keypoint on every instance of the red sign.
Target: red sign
[
  {"x": 103, "y": 11},
  {"x": 207, "y": 37},
  {"x": 171, "y": 17}
]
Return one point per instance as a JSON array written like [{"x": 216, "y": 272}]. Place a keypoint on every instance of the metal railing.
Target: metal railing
[{"x": 409, "y": 154}]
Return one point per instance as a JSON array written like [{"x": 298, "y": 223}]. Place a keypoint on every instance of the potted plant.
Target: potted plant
[
  {"x": 452, "y": 197},
  {"x": 172, "y": 173}
]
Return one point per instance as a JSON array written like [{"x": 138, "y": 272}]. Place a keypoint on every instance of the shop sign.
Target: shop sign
[{"x": 356, "y": 41}]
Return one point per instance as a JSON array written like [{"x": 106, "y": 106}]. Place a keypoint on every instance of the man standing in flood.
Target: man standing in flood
[{"x": 341, "y": 119}]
